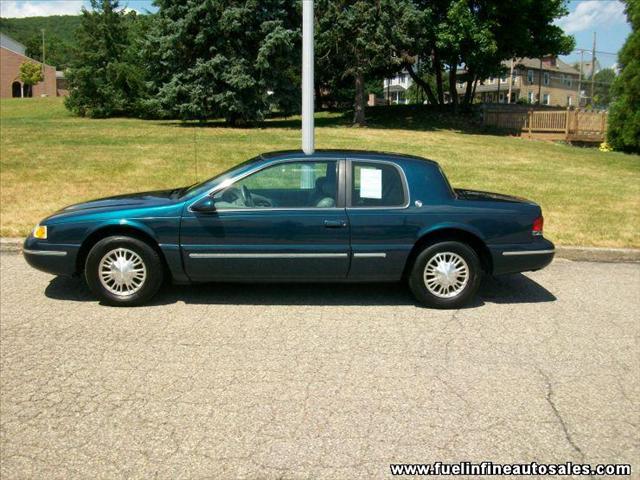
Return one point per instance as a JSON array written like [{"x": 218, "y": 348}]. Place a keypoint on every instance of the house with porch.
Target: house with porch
[
  {"x": 395, "y": 88},
  {"x": 547, "y": 81}
]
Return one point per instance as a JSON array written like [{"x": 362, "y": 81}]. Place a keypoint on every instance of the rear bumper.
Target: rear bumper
[
  {"x": 56, "y": 259},
  {"x": 521, "y": 257}
]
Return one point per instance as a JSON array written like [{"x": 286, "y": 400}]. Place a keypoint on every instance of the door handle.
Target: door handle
[{"x": 335, "y": 223}]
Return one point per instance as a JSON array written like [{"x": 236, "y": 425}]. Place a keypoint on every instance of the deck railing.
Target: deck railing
[{"x": 570, "y": 125}]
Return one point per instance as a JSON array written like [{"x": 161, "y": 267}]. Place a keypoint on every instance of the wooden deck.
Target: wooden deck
[{"x": 567, "y": 125}]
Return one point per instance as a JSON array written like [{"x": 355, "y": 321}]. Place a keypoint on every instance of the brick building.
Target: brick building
[{"x": 12, "y": 55}]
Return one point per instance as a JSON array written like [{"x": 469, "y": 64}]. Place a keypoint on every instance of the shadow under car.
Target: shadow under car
[{"x": 506, "y": 289}]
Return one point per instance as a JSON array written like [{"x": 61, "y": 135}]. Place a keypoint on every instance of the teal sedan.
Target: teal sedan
[{"x": 333, "y": 216}]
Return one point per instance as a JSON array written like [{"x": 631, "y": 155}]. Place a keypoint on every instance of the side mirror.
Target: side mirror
[{"x": 204, "y": 205}]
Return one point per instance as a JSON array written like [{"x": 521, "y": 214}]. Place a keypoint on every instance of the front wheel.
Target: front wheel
[
  {"x": 123, "y": 271},
  {"x": 445, "y": 275}
]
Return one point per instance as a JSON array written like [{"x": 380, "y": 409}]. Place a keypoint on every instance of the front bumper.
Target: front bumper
[
  {"x": 521, "y": 257},
  {"x": 56, "y": 259}
]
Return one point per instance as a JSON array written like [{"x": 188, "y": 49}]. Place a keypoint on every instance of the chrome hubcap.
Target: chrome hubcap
[
  {"x": 446, "y": 274},
  {"x": 122, "y": 272}
]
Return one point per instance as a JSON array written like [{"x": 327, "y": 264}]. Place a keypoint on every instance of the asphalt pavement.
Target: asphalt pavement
[{"x": 317, "y": 381}]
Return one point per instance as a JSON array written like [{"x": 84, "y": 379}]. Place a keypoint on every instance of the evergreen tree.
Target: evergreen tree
[
  {"x": 623, "y": 132},
  {"x": 105, "y": 78},
  {"x": 223, "y": 58}
]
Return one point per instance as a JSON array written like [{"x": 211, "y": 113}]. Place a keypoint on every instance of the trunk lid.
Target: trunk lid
[{"x": 478, "y": 195}]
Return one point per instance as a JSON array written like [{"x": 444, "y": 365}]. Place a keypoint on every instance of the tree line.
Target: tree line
[
  {"x": 59, "y": 31},
  {"x": 202, "y": 59}
]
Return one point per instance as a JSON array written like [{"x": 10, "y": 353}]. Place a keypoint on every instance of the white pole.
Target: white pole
[{"x": 307, "y": 77}]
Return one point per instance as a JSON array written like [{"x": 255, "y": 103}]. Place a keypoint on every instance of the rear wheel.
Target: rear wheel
[
  {"x": 445, "y": 275},
  {"x": 123, "y": 271}
]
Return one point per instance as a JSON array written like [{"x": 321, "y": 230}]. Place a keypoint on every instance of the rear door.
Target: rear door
[{"x": 286, "y": 221}]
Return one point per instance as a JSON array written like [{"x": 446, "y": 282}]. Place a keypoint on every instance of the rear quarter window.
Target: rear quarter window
[{"x": 376, "y": 184}]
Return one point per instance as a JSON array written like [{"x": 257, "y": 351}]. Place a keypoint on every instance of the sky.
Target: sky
[{"x": 604, "y": 17}]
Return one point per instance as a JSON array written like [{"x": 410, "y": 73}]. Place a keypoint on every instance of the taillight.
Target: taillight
[{"x": 538, "y": 223}]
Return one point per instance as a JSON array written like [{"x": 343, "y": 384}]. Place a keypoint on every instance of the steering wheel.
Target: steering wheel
[{"x": 246, "y": 196}]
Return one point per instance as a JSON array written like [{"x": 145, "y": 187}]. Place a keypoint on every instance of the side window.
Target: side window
[
  {"x": 376, "y": 185},
  {"x": 285, "y": 185},
  {"x": 530, "y": 76}
]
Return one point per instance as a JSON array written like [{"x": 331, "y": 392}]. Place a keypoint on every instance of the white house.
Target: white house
[{"x": 395, "y": 88}]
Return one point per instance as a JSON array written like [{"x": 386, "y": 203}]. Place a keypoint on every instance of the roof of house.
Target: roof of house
[
  {"x": 10, "y": 44},
  {"x": 534, "y": 64}
]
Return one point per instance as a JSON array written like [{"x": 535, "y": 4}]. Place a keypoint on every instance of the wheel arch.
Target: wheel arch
[
  {"x": 125, "y": 229},
  {"x": 451, "y": 233}
]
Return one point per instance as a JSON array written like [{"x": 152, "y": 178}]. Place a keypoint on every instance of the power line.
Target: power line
[{"x": 588, "y": 50}]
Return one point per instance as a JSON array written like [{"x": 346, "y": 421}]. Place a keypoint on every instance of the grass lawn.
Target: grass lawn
[{"x": 50, "y": 159}]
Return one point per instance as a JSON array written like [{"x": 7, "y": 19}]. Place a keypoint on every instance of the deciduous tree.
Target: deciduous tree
[
  {"x": 361, "y": 39},
  {"x": 603, "y": 82},
  {"x": 478, "y": 35},
  {"x": 30, "y": 74}
]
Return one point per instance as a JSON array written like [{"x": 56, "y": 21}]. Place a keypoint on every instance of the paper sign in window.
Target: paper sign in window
[{"x": 370, "y": 183}]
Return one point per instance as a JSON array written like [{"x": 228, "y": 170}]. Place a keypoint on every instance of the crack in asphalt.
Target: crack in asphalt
[{"x": 556, "y": 412}]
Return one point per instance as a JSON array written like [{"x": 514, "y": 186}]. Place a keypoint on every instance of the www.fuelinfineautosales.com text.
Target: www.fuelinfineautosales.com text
[{"x": 490, "y": 468}]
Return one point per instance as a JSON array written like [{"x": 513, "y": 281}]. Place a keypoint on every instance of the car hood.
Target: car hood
[
  {"x": 133, "y": 200},
  {"x": 128, "y": 202}
]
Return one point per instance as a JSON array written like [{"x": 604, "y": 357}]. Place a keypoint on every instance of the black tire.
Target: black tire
[
  {"x": 150, "y": 259},
  {"x": 418, "y": 285}
]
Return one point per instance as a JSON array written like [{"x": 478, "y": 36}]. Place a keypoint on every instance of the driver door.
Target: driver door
[{"x": 286, "y": 221}]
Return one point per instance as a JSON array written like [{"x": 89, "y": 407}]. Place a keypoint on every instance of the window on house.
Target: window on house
[
  {"x": 501, "y": 100},
  {"x": 569, "y": 100},
  {"x": 531, "y": 97},
  {"x": 530, "y": 76},
  {"x": 545, "y": 78},
  {"x": 546, "y": 99}
]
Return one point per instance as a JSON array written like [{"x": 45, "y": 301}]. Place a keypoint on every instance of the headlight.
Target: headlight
[{"x": 40, "y": 231}]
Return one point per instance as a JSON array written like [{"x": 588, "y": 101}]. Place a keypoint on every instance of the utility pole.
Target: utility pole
[
  {"x": 540, "y": 83},
  {"x": 580, "y": 79},
  {"x": 308, "y": 141},
  {"x": 44, "y": 83},
  {"x": 593, "y": 68},
  {"x": 510, "y": 82}
]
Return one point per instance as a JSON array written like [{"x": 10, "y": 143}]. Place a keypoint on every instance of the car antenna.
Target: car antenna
[
  {"x": 308, "y": 140},
  {"x": 195, "y": 151}
]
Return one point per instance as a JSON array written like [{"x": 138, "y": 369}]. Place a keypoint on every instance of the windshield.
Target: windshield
[{"x": 218, "y": 178}]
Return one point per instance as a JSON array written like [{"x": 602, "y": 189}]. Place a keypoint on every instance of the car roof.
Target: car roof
[{"x": 337, "y": 154}]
